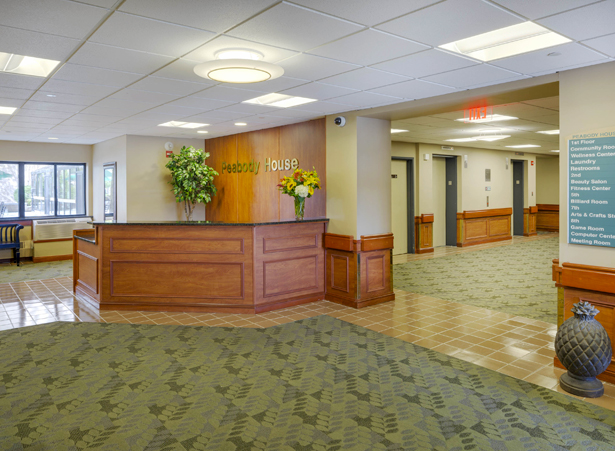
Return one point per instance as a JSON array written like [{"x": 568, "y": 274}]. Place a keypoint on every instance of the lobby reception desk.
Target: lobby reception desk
[{"x": 200, "y": 266}]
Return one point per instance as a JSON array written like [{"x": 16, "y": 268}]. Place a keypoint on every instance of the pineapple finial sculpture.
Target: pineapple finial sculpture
[{"x": 584, "y": 348}]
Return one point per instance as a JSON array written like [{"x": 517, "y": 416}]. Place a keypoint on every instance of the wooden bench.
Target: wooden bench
[{"x": 9, "y": 238}]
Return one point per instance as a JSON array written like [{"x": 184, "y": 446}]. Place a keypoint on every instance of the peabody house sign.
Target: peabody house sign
[{"x": 254, "y": 166}]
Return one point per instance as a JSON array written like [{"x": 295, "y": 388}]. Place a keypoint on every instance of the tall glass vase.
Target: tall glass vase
[{"x": 299, "y": 208}]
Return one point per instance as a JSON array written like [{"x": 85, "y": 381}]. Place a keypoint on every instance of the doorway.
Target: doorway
[
  {"x": 518, "y": 196},
  {"x": 445, "y": 200},
  {"x": 110, "y": 192},
  {"x": 402, "y": 204}
]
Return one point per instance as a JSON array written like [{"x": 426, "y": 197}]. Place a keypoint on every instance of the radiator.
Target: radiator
[
  {"x": 26, "y": 248},
  {"x": 55, "y": 229}
]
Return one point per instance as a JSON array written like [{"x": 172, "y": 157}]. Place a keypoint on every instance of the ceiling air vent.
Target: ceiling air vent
[{"x": 448, "y": 148}]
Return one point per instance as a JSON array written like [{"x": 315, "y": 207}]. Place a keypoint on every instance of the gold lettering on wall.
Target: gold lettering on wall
[{"x": 253, "y": 166}]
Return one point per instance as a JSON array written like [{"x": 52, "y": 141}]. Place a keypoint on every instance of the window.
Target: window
[{"x": 39, "y": 190}]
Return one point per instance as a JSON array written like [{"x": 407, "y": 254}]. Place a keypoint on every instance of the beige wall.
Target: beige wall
[
  {"x": 587, "y": 96},
  {"x": 547, "y": 181},
  {"x": 110, "y": 151},
  {"x": 51, "y": 153},
  {"x": 471, "y": 189},
  {"x": 342, "y": 176},
  {"x": 373, "y": 176},
  {"x": 149, "y": 195}
]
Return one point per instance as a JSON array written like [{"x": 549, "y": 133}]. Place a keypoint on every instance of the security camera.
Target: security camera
[{"x": 340, "y": 121}]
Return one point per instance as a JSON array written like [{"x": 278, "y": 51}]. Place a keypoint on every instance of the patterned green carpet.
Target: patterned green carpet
[
  {"x": 35, "y": 271},
  {"x": 316, "y": 384},
  {"x": 514, "y": 279}
]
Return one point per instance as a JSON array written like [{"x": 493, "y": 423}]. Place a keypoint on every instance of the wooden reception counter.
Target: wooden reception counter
[{"x": 200, "y": 266}]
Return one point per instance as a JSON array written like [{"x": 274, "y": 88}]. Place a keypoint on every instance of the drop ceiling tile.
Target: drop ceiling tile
[
  {"x": 249, "y": 108},
  {"x": 604, "y": 44},
  {"x": 571, "y": 54},
  {"x": 227, "y": 94},
  {"x": 183, "y": 69},
  {"x": 143, "y": 96},
  {"x": 277, "y": 85},
  {"x": 364, "y": 78},
  {"x": 33, "y": 121},
  {"x": 366, "y": 99},
  {"x": 11, "y": 103},
  {"x": 216, "y": 15},
  {"x": 129, "y": 105},
  {"x": 40, "y": 45},
  {"x": 584, "y": 23},
  {"x": 60, "y": 129},
  {"x": 20, "y": 81},
  {"x": 4, "y": 136},
  {"x": 66, "y": 98},
  {"x": 82, "y": 119},
  {"x": 43, "y": 113},
  {"x": 318, "y": 91},
  {"x": 207, "y": 52},
  {"x": 200, "y": 103},
  {"x": 414, "y": 89},
  {"x": 309, "y": 67},
  {"x": 168, "y": 86},
  {"x": 421, "y": 64},
  {"x": 296, "y": 27},
  {"x": 465, "y": 18},
  {"x": 15, "y": 93},
  {"x": 324, "y": 107},
  {"x": 367, "y": 13},
  {"x": 542, "y": 8},
  {"x": 289, "y": 113},
  {"x": 34, "y": 105},
  {"x": 368, "y": 47},
  {"x": 474, "y": 76},
  {"x": 153, "y": 36},
  {"x": 11, "y": 128},
  {"x": 87, "y": 74},
  {"x": 551, "y": 103},
  {"x": 101, "y": 3},
  {"x": 178, "y": 112},
  {"x": 218, "y": 114},
  {"x": 115, "y": 58},
  {"x": 57, "y": 17},
  {"x": 70, "y": 87}
]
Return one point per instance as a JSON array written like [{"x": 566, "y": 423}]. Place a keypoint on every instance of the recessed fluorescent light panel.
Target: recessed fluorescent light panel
[
  {"x": 522, "y": 146},
  {"x": 279, "y": 100},
  {"x": 398, "y": 130},
  {"x": 492, "y": 118},
  {"x": 549, "y": 132},
  {"x": 491, "y": 137},
  {"x": 514, "y": 40},
  {"x": 202, "y": 131},
  {"x": 7, "y": 110},
  {"x": 240, "y": 124},
  {"x": 26, "y": 65},
  {"x": 555, "y": 151},
  {"x": 461, "y": 140},
  {"x": 182, "y": 124}
]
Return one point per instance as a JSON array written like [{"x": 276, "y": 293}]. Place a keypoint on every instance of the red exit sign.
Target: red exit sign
[{"x": 478, "y": 113}]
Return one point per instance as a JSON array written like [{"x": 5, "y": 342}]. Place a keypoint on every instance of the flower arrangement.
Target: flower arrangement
[{"x": 300, "y": 185}]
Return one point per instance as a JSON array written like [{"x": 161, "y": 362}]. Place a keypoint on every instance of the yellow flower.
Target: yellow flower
[
  {"x": 290, "y": 184},
  {"x": 310, "y": 190}
]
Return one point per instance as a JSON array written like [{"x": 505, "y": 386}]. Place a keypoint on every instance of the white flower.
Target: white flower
[{"x": 302, "y": 191}]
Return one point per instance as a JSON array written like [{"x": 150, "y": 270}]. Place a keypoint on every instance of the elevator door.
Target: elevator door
[
  {"x": 399, "y": 210},
  {"x": 451, "y": 201},
  {"x": 439, "y": 201},
  {"x": 518, "y": 197}
]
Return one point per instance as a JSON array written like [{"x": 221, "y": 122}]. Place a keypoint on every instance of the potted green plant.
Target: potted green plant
[{"x": 191, "y": 178}]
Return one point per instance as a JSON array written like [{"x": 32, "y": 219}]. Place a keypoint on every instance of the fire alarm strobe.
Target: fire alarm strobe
[{"x": 168, "y": 146}]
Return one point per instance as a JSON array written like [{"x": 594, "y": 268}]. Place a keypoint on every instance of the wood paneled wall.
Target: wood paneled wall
[
  {"x": 250, "y": 197},
  {"x": 529, "y": 221},
  {"x": 547, "y": 217},
  {"x": 483, "y": 226},
  {"x": 423, "y": 233},
  {"x": 358, "y": 272}
]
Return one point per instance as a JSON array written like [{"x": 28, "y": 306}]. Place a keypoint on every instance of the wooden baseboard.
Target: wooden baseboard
[
  {"x": 548, "y": 229},
  {"x": 530, "y": 234},
  {"x": 289, "y": 303},
  {"x": 358, "y": 303},
  {"x": 485, "y": 241},
  {"x": 424, "y": 251},
  {"x": 11, "y": 260},
  {"x": 52, "y": 258},
  {"x": 607, "y": 376}
]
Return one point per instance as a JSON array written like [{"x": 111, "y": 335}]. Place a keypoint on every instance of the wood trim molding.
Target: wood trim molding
[
  {"x": 52, "y": 258},
  {"x": 547, "y": 207},
  {"x": 427, "y": 218},
  {"x": 533, "y": 209},
  {"x": 376, "y": 242},
  {"x": 588, "y": 277},
  {"x": 339, "y": 242},
  {"x": 472, "y": 214},
  {"x": 556, "y": 272},
  {"x": 54, "y": 241}
]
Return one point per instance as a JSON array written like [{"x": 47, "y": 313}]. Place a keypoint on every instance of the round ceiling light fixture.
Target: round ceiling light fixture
[{"x": 238, "y": 66}]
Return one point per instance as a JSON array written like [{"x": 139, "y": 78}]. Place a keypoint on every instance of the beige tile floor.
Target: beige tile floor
[{"x": 512, "y": 345}]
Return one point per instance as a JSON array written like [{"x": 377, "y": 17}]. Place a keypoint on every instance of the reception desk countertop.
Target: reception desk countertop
[{"x": 208, "y": 223}]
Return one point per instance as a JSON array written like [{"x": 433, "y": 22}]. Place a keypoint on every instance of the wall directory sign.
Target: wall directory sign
[{"x": 591, "y": 189}]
